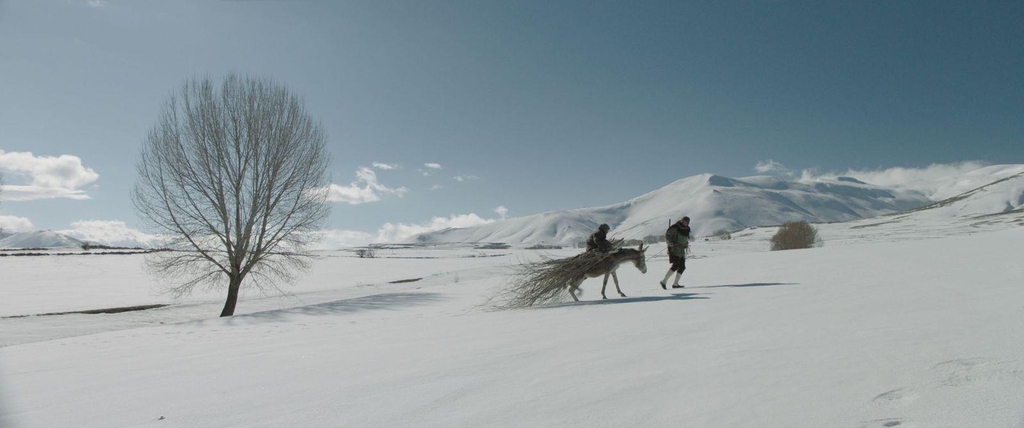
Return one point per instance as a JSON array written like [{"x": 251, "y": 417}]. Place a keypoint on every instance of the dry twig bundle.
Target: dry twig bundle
[{"x": 546, "y": 281}]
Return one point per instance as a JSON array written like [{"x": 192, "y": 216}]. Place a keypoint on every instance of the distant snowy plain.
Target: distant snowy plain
[{"x": 912, "y": 320}]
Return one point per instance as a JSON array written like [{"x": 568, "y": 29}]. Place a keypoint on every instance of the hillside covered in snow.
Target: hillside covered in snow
[
  {"x": 95, "y": 233},
  {"x": 717, "y": 203},
  {"x": 39, "y": 239},
  {"x": 905, "y": 320}
]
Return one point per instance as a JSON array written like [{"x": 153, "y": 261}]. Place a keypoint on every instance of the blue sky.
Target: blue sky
[{"x": 531, "y": 106}]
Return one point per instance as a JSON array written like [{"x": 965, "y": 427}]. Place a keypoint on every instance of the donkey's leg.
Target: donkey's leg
[
  {"x": 616, "y": 278},
  {"x": 605, "y": 284},
  {"x": 575, "y": 285}
]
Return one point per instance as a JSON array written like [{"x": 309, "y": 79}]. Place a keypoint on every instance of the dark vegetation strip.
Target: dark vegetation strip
[
  {"x": 402, "y": 281},
  {"x": 864, "y": 226},
  {"x": 105, "y": 253},
  {"x": 480, "y": 256},
  {"x": 94, "y": 311},
  {"x": 1014, "y": 211}
]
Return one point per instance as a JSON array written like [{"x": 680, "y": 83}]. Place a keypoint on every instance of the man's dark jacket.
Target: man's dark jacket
[
  {"x": 678, "y": 238},
  {"x": 599, "y": 241}
]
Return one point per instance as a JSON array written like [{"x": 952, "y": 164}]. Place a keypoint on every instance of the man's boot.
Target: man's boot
[
  {"x": 675, "y": 284},
  {"x": 663, "y": 286}
]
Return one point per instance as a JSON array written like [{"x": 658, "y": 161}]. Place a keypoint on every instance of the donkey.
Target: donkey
[{"x": 607, "y": 267}]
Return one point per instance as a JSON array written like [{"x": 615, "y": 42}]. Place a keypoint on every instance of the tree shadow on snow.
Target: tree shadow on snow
[
  {"x": 385, "y": 301},
  {"x": 755, "y": 284},
  {"x": 618, "y": 300}
]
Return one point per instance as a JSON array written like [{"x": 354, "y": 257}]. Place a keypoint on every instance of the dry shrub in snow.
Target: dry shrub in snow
[
  {"x": 366, "y": 253},
  {"x": 794, "y": 235}
]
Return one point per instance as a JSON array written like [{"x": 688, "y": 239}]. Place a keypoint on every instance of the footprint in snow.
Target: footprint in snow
[
  {"x": 955, "y": 373},
  {"x": 966, "y": 371},
  {"x": 886, "y": 423},
  {"x": 895, "y": 397}
]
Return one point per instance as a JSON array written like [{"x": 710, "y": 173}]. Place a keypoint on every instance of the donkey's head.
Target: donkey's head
[{"x": 641, "y": 261}]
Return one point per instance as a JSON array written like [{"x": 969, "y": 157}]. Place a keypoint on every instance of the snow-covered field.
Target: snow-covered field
[{"x": 908, "y": 321}]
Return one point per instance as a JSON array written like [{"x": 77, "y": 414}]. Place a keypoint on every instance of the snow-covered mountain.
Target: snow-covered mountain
[
  {"x": 1004, "y": 195},
  {"x": 992, "y": 205},
  {"x": 105, "y": 233},
  {"x": 112, "y": 234},
  {"x": 39, "y": 239},
  {"x": 721, "y": 203}
]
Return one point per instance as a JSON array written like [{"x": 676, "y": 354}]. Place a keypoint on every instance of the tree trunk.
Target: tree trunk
[{"x": 229, "y": 305}]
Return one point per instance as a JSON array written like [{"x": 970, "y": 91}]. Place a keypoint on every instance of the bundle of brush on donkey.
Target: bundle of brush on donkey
[{"x": 549, "y": 280}]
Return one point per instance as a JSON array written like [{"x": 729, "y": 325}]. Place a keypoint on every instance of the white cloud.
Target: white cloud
[
  {"x": 385, "y": 166},
  {"x": 364, "y": 189},
  {"x": 390, "y": 233},
  {"x": 111, "y": 233},
  {"x": 118, "y": 234},
  {"x": 933, "y": 181},
  {"x": 334, "y": 238},
  {"x": 928, "y": 180},
  {"x": 770, "y": 167},
  {"x": 398, "y": 232},
  {"x": 47, "y": 177},
  {"x": 431, "y": 169},
  {"x": 903, "y": 177},
  {"x": 351, "y": 194},
  {"x": 461, "y": 178},
  {"x": 436, "y": 187},
  {"x": 11, "y": 224}
]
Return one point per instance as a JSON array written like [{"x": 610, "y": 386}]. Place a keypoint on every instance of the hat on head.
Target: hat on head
[{"x": 604, "y": 227}]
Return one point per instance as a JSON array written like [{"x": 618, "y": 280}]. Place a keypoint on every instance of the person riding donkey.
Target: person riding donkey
[
  {"x": 678, "y": 239},
  {"x": 598, "y": 241}
]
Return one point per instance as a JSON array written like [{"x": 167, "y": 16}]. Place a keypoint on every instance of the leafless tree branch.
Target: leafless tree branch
[{"x": 235, "y": 176}]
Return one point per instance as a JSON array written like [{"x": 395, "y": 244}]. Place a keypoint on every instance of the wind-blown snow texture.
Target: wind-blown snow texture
[{"x": 722, "y": 203}]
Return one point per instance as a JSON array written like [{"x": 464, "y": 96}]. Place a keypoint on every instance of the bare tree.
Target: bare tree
[{"x": 235, "y": 177}]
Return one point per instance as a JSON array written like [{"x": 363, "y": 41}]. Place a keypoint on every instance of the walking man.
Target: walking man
[{"x": 678, "y": 239}]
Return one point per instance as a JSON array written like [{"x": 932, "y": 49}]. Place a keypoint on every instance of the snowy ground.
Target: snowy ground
[{"x": 908, "y": 322}]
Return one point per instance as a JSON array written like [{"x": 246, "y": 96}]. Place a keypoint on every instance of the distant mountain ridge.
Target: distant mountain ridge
[
  {"x": 39, "y": 239},
  {"x": 74, "y": 239},
  {"x": 1002, "y": 196},
  {"x": 716, "y": 203}
]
